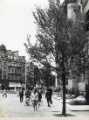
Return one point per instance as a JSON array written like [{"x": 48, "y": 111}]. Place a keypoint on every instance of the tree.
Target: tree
[
  {"x": 3, "y": 51},
  {"x": 3, "y": 48},
  {"x": 61, "y": 37},
  {"x": 39, "y": 55}
]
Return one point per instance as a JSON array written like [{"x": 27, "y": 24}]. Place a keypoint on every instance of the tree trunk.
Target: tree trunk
[
  {"x": 64, "y": 95},
  {"x": 64, "y": 87}
]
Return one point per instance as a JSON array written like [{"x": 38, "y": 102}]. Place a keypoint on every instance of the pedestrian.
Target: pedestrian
[
  {"x": 39, "y": 96},
  {"x": 48, "y": 96},
  {"x": 51, "y": 92},
  {"x": 34, "y": 98},
  {"x": 4, "y": 93},
  {"x": 27, "y": 97},
  {"x": 21, "y": 95}
]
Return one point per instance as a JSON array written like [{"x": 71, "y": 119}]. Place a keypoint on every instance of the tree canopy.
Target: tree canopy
[{"x": 59, "y": 36}]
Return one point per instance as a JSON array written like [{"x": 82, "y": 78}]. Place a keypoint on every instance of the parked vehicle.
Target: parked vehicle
[{"x": 80, "y": 100}]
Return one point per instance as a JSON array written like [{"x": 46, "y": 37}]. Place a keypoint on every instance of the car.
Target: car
[{"x": 80, "y": 100}]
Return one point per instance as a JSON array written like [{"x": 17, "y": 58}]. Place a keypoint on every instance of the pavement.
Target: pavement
[
  {"x": 73, "y": 107},
  {"x": 11, "y": 107}
]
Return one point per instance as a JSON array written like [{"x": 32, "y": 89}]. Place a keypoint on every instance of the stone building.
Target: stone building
[{"x": 12, "y": 69}]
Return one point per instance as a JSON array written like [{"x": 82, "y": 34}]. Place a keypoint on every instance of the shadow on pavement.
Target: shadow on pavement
[
  {"x": 80, "y": 110},
  {"x": 60, "y": 115},
  {"x": 56, "y": 111}
]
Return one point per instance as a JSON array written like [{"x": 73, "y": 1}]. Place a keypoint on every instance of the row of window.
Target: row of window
[
  {"x": 11, "y": 77},
  {"x": 12, "y": 57},
  {"x": 14, "y": 77},
  {"x": 14, "y": 70}
]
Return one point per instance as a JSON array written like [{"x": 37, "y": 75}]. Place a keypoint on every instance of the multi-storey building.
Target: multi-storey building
[{"x": 12, "y": 69}]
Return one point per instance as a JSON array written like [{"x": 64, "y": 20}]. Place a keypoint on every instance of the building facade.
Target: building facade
[{"x": 12, "y": 69}]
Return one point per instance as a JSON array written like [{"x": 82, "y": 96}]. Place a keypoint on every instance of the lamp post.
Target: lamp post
[
  {"x": 2, "y": 69},
  {"x": 25, "y": 76}
]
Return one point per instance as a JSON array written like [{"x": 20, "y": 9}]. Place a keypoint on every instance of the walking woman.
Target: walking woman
[{"x": 34, "y": 98}]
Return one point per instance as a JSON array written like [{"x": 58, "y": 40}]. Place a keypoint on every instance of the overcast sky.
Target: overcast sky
[{"x": 16, "y": 21}]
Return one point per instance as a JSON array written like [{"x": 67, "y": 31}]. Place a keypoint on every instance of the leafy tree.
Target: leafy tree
[
  {"x": 59, "y": 36},
  {"x": 3, "y": 51}
]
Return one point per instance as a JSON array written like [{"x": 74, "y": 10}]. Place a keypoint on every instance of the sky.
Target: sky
[{"x": 16, "y": 21}]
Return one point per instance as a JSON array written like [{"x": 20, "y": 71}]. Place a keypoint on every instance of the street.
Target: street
[{"x": 11, "y": 107}]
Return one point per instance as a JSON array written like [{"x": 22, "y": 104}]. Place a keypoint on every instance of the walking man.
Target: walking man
[
  {"x": 48, "y": 96},
  {"x": 21, "y": 95}
]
